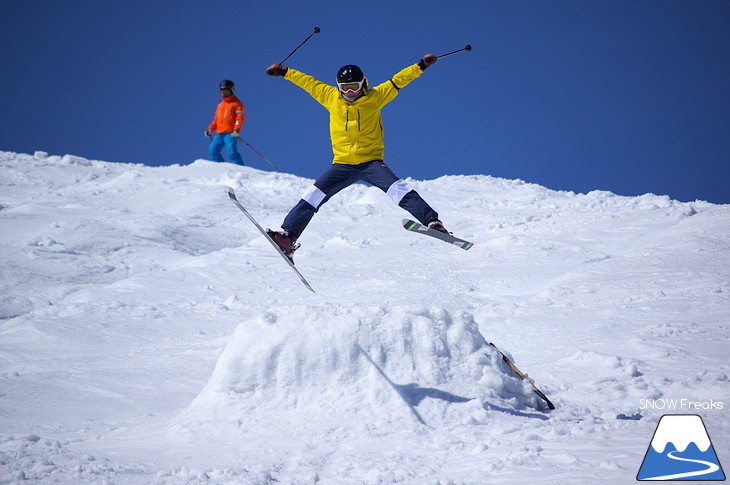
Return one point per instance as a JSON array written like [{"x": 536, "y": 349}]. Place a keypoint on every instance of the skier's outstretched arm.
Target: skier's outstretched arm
[{"x": 317, "y": 89}]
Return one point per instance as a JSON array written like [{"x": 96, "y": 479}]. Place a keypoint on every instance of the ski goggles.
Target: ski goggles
[{"x": 347, "y": 87}]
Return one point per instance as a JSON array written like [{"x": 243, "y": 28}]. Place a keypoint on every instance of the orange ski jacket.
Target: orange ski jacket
[{"x": 229, "y": 115}]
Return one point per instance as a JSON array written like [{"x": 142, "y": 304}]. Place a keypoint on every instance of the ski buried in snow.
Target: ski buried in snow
[
  {"x": 234, "y": 199},
  {"x": 414, "y": 226},
  {"x": 522, "y": 376}
]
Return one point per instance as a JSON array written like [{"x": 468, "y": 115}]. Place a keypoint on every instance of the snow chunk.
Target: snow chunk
[{"x": 373, "y": 364}]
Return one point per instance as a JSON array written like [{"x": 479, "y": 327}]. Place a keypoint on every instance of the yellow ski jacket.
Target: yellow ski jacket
[{"x": 356, "y": 128}]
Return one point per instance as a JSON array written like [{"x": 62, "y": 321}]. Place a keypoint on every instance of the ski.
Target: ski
[
  {"x": 522, "y": 376},
  {"x": 414, "y": 226},
  {"x": 234, "y": 199}
]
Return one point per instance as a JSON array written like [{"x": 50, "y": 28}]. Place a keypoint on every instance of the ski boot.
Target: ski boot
[
  {"x": 437, "y": 225},
  {"x": 285, "y": 241}
]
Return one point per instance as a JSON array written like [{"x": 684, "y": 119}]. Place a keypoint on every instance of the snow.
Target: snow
[{"x": 150, "y": 335}]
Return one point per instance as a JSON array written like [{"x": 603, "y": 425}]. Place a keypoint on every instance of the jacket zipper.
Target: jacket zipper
[{"x": 347, "y": 119}]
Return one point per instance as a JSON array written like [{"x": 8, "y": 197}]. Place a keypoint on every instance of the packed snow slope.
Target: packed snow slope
[{"x": 150, "y": 335}]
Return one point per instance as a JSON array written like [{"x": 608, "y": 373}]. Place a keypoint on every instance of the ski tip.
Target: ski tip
[{"x": 231, "y": 193}]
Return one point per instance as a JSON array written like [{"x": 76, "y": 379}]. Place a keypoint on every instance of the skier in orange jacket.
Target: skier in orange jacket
[{"x": 227, "y": 124}]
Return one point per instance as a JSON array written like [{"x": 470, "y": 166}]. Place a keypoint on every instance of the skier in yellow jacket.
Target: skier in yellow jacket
[{"x": 356, "y": 131}]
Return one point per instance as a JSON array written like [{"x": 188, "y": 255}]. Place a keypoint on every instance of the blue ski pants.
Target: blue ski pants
[
  {"x": 225, "y": 139},
  {"x": 339, "y": 176}
]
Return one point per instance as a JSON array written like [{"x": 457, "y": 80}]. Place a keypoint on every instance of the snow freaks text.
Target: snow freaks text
[{"x": 680, "y": 404}]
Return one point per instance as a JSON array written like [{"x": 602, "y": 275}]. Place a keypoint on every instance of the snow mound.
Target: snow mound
[{"x": 377, "y": 364}]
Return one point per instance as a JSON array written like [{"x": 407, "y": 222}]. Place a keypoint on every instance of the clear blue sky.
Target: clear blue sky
[{"x": 631, "y": 96}]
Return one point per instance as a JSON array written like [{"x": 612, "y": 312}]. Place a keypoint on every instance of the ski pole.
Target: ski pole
[
  {"x": 466, "y": 48},
  {"x": 259, "y": 154},
  {"x": 316, "y": 31}
]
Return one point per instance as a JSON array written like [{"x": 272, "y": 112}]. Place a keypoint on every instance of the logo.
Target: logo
[{"x": 681, "y": 450}]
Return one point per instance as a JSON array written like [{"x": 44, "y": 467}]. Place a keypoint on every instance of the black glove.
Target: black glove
[
  {"x": 428, "y": 60},
  {"x": 277, "y": 70}
]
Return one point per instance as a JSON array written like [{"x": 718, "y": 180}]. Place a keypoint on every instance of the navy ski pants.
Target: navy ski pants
[{"x": 339, "y": 176}]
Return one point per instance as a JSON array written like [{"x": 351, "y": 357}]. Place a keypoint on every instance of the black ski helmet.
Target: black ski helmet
[
  {"x": 227, "y": 84},
  {"x": 350, "y": 74}
]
